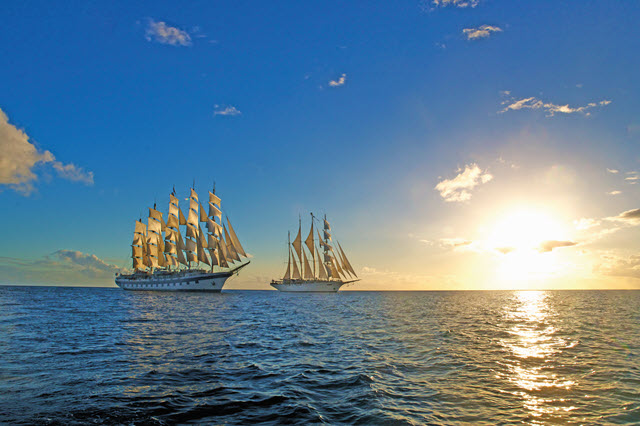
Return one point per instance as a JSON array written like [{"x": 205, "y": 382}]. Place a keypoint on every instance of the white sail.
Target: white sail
[
  {"x": 296, "y": 273},
  {"x": 297, "y": 244},
  {"x": 203, "y": 216},
  {"x": 213, "y": 198},
  {"x": 172, "y": 222},
  {"x": 222, "y": 255},
  {"x": 157, "y": 216},
  {"x": 202, "y": 254},
  {"x": 307, "y": 273},
  {"x": 191, "y": 257},
  {"x": 194, "y": 195},
  {"x": 155, "y": 225},
  {"x": 322, "y": 272},
  {"x": 327, "y": 227},
  {"x": 309, "y": 242},
  {"x": 191, "y": 245},
  {"x": 346, "y": 262},
  {"x": 181, "y": 257},
  {"x": 170, "y": 248},
  {"x": 136, "y": 252},
  {"x": 236, "y": 241},
  {"x": 214, "y": 211},
  {"x": 192, "y": 231},
  {"x": 192, "y": 219},
  {"x": 172, "y": 200},
  {"x": 141, "y": 228},
  {"x": 231, "y": 250},
  {"x": 213, "y": 227},
  {"x": 137, "y": 239},
  {"x": 138, "y": 263},
  {"x": 287, "y": 274},
  {"x": 334, "y": 271}
]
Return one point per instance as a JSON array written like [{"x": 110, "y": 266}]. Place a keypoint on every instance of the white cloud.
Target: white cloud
[
  {"x": 586, "y": 223},
  {"x": 630, "y": 217},
  {"x": 229, "y": 110},
  {"x": 619, "y": 266},
  {"x": 64, "y": 267},
  {"x": 614, "y": 171},
  {"x": 454, "y": 3},
  {"x": 482, "y": 31},
  {"x": 616, "y": 192},
  {"x": 165, "y": 34},
  {"x": 19, "y": 158},
  {"x": 550, "y": 108},
  {"x": 459, "y": 188},
  {"x": 339, "y": 82},
  {"x": 88, "y": 264}
]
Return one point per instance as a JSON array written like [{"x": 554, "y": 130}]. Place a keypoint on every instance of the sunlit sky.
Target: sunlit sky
[{"x": 453, "y": 144}]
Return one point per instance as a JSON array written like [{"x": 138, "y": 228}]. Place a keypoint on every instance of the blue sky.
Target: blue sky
[{"x": 125, "y": 96}]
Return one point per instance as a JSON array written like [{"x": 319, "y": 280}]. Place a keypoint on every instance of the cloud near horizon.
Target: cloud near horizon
[
  {"x": 162, "y": 33},
  {"x": 482, "y": 31},
  {"x": 550, "y": 108},
  {"x": 459, "y": 188},
  {"x": 20, "y": 157},
  {"x": 64, "y": 267}
]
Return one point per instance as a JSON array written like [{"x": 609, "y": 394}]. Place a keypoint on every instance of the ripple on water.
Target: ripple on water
[{"x": 104, "y": 356}]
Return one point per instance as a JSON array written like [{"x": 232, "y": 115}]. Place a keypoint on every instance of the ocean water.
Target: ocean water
[{"x": 104, "y": 356}]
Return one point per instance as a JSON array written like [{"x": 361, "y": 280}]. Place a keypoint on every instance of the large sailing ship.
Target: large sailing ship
[
  {"x": 333, "y": 268},
  {"x": 164, "y": 260}
]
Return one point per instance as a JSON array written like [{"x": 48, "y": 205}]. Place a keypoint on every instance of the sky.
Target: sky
[{"x": 452, "y": 144}]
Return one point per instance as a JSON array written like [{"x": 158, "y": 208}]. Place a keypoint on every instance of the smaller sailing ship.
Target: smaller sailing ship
[
  {"x": 171, "y": 262},
  {"x": 333, "y": 268}
]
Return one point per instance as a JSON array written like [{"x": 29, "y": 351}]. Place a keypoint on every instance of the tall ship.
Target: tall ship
[
  {"x": 201, "y": 261},
  {"x": 331, "y": 269}
]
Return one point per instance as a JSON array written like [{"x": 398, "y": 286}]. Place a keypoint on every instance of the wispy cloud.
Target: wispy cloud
[
  {"x": 619, "y": 266},
  {"x": 162, "y": 33},
  {"x": 339, "y": 82},
  {"x": 459, "y": 188},
  {"x": 616, "y": 192},
  {"x": 547, "y": 246},
  {"x": 482, "y": 31},
  {"x": 228, "y": 110},
  {"x": 433, "y": 4},
  {"x": 613, "y": 171},
  {"x": 550, "y": 108},
  {"x": 20, "y": 157},
  {"x": 630, "y": 217}
]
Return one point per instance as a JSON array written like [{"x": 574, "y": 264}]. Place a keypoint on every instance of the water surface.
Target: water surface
[{"x": 97, "y": 355}]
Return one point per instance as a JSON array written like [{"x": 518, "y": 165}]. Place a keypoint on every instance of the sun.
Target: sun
[{"x": 516, "y": 237}]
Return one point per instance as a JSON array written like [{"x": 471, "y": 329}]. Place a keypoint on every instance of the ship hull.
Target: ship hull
[
  {"x": 308, "y": 286},
  {"x": 179, "y": 281}
]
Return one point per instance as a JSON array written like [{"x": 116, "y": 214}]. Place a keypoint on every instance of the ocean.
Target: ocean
[{"x": 104, "y": 356}]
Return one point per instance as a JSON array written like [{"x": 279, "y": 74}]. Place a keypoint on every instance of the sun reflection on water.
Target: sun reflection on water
[{"x": 533, "y": 347}]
